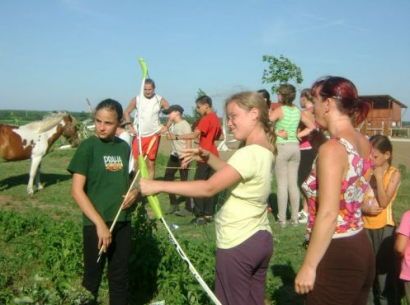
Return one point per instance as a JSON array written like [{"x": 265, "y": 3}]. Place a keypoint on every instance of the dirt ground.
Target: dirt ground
[{"x": 401, "y": 150}]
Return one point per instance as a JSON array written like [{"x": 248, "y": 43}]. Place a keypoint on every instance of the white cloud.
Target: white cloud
[
  {"x": 81, "y": 7},
  {"x": 281, "y": 31}
]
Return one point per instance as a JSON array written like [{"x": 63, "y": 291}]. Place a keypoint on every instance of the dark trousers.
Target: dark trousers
[
  {"x": 117, "y": 256},
  {"x": 241, "y": 271},
  {"x": 204, "y": 206},
  {"x": 307, "y": 156},
  {"x": 173, "y": 166},
  {"x": 345, "y": 274},
  {"x": 385, "y": 290}
]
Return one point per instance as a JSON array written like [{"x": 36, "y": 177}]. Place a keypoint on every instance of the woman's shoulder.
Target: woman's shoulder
[
  {"x": 358, "y": 145},
  {"x": 333, "y": 150}
]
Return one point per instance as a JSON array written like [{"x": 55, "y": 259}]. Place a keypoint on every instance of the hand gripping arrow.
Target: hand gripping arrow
[
  {"x": 151, "y": 143},
  {"x": 154, "y": 203}
]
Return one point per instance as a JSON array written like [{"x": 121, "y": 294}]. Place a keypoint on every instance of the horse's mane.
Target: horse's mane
[{"x": 48, "y": 122}]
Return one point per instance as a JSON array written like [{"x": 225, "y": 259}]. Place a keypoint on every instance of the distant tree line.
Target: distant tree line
[{"x": 20, "y": 117}]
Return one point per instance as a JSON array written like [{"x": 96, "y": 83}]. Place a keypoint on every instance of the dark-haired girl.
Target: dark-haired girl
[
  {"x": 379, "y": 221},
  {"x": 100, "y": 180},
  {"x": 338, "y": 267}
]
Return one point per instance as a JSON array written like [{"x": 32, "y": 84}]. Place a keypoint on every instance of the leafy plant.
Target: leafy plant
[{"x": 280, "y": 70}]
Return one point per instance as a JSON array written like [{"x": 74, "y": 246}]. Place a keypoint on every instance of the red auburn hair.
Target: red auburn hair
[{"x": 345, "y": 92}]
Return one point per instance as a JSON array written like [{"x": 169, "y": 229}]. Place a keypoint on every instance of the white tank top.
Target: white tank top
[{"x": 150, "y": 109}]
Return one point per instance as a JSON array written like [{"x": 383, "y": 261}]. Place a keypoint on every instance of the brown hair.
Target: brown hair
[
  {"x": 382, "y": 144},
  {"x": 306, "y": 93},
  {"x": 204, "y": 99},
  {"x": 288, "y": 93}
]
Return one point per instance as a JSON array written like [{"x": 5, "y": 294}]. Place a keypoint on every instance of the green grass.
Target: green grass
[{"x": 40, "y": 245}]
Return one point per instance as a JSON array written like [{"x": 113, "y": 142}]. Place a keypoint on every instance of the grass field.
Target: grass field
[{"x": 24, "y": 243}]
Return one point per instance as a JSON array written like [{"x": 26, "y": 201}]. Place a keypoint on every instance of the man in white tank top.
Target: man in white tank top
[{"x": 151, "y": 105}]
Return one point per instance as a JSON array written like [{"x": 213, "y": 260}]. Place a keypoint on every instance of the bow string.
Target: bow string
[{"x": 152, "y": 199}]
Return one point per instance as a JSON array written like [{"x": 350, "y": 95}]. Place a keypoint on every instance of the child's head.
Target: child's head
[
  {"x": 111, "y": 105},
  {"x": 108, "y": 115},
  {"x": 266, "y": 96},
  {"x": 251, "y": 103},
  {"x": 248, "y": 100},
  {"x": 383, "y": 150},
  {"x": 286, "y": 94},
  {"x": 174, "y": 112},
  {"x": 203, "y": 104},
  {"x": 305, "y": 97}
]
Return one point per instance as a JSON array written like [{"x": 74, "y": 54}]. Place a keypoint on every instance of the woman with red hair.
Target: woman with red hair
[{"x": 338, "y": 267}]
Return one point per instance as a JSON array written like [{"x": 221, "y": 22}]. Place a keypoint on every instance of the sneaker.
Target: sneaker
[
  {"x": 173, "y": 208},
  {"x": 294, "y": 223},
  {"x": 198, "y": 222},
  {"x": 302, "y": 217},
  {"x": 209, "y": 219},
  {"x": 280, "y": 223},
  {"x": 183, "y": 213}
]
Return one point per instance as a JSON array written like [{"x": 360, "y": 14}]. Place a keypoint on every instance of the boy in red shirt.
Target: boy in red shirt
[{"x": 207, "y": 132}]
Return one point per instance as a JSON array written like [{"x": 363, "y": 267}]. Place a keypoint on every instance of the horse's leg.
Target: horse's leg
[
  {"x": 35, "y": 161},
  {"x": 37, "y": 179}
]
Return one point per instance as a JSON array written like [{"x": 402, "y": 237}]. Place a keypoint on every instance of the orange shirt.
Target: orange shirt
[{"x": 385, "y": 218}]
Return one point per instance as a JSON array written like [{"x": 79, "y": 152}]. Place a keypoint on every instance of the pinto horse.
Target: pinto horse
[{"x": 34, "y": 141}]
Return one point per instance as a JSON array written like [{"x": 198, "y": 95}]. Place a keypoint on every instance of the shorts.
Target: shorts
[{"x": 145, "y": 143}]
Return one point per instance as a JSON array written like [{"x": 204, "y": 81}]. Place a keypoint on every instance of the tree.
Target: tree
[{"x": 281, "y": 70}]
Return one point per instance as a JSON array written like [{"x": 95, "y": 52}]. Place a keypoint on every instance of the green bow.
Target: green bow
[{"x": 152, "y": 199}]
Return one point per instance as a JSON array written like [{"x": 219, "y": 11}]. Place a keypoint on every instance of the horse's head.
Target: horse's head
[{"x": 70, "y": 132}]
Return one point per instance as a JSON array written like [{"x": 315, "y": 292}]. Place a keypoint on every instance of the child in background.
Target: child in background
[
  {"x": 179, "y": 126},
  {"x": 378, "y": 219},
  {"x": 402, "y": 248},
  {"x": 307, "y": 152},
  {"x": 207, "y": 131},
  {"x": 125, "y": 135}
]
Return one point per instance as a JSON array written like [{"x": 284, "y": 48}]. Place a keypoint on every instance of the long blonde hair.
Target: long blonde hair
[{"x": 248, "y": 100}]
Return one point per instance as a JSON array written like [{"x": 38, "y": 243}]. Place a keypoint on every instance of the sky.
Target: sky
[{"x": 56, "y": 54}]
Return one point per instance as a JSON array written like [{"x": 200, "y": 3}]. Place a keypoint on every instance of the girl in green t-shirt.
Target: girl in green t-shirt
[{"x": 100, "y": 180}]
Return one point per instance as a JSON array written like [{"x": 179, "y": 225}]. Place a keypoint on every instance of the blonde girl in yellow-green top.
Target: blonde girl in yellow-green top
[{"x": 244, "y": 239}]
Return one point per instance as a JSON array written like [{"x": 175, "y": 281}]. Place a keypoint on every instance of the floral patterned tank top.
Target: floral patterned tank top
[{"x": 354, "y": 185}]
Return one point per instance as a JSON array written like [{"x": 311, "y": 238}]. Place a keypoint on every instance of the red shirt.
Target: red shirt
[{"x": 210, "y": 128}]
